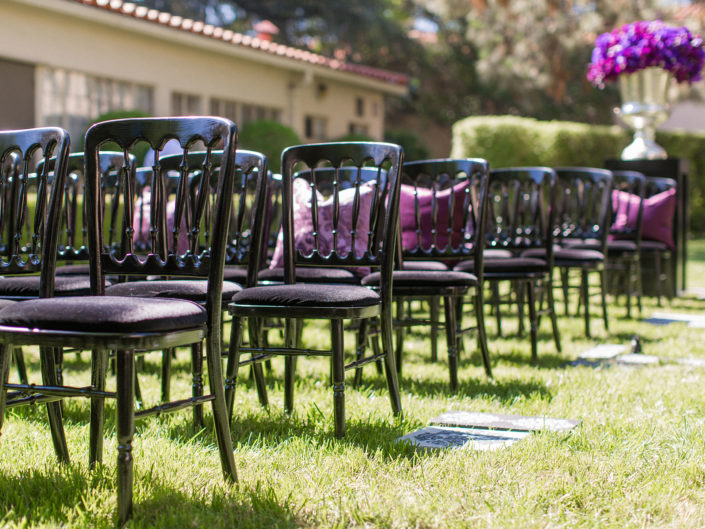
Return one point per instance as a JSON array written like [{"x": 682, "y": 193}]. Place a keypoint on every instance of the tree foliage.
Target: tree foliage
[{"x": 523, "y": 57}]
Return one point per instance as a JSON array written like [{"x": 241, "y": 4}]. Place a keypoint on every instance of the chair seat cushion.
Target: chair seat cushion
[
  {"x": 99, "y": 314},
  {"x": 190, "y": 289},
  {"x": 653, "y": 246},
  {"x": 73, "y": 270},
  {"x": 235, "y": 273},
  {"x": 585, "y": 244},
  {"x": 308, "y": 295},
  {"x": 424, "y": 265},
  {"x": 305, "y": 274},
  {"x": 577, "y": 256},
  {"x": 529, "y": 265},
  {"x": 497, "y": 253},
  {"x": 424, "y": 279},
  {"x": 619, "y": 246},
  {"x": 28, "y": 286},
  {"x": 6, "y": 302}
]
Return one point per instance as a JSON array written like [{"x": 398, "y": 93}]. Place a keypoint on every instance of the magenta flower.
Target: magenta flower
[{"x": 644, "y": 44}]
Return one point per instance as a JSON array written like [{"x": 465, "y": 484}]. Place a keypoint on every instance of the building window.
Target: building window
[
  {"x": 356, "y": 128},
  {"x": 185, "y": 104},
  {"x": 73, "y": 100},
  {"x": 316, "y": 128},
  {"x": 224, "y": 108},
  {"x": 359, "y": 106},
  {"x": 258, "y": 113}
]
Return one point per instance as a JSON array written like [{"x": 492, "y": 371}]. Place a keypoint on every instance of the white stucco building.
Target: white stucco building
[{"x": 65, "y": 62}]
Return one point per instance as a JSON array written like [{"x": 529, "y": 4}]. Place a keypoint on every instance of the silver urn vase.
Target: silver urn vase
[{"x": 644, "y": 107}]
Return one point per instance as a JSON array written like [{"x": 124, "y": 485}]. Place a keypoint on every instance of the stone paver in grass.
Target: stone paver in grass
[
  {"x": 603, "y": 351},
  {"x": 439, "y": 437},
  {"x": 665, "y": 318},
  {"x": 482, "y": 431},
  {"x": 496, "y": 421},
  {"x": 638, "y": 359}
]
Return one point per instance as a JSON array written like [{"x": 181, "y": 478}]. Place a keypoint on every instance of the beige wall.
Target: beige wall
[{"x": 105, "y": 44}]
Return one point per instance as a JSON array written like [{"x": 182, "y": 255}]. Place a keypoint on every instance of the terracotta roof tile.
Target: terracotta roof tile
[{"x": 207, "y": 30}]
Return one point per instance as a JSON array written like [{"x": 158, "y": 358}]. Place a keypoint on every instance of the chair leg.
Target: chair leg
[
  {"x": 338, "y": 370},
  {"x": 518, "y": 287},
  {"x": 232, "y": 364},
  {"x": 5, "y": 355},
  {"x": 257, "y": 339},
  {"x": 18, "y": 355},
  {"x": 639, "y": 285},
  {"x": 360, "y": 348},
  {"x": 552, "y": 309},
  {"x": 533, "y": 319},
  {"x": 221, "y": 422},
  {"x": 481, "y": 331},
  {"x": 166, "y": 374},
  {"x": 59, "y": 362},
  {"x": 290, "y": 365},
  {"x": 399, "y": 334},
  {"x": 659, "y": 281},
  {"x": 125, "y": 366},
  {"x": 630, "y": 282},
  {"x": 197, "y": 382},
  {"x": 584, "y": 294},
  {"x": 496, "y": 299},
  {"x": 99, "y": 359},
  {"x": 56, "y": 422},
  {"x": 390, "y": 368},
  {"x": 603, "y": 296},
  {"x": 434, "y": 316},
  {"x": 565, "y": 285},
  {"x": 451, "y": 342}
]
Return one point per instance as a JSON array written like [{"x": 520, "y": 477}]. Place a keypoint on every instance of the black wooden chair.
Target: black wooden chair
[
  {"x": 441, "y": 220},
  {"x": 326, "y": 225},
  {"x": 582, "y": 225},
  {"x": 624, "y": 241},
  {"x": 520, "y": 220},
  {"x": 125, "y": 325},
  {"x": 249, "y": 190},
  {"x": 658, "y": 246}
]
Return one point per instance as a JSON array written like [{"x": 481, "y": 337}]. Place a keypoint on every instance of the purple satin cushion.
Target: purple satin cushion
[
  {"x": 303, "y": 223},
  {"x": 407, "y": 205},
  {"x": 657, "y": 215}
]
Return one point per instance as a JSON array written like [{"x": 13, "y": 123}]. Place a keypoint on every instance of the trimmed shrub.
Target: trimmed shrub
[
  {"x": 268, "y": 137},
  {"x": 414, "y": 147},
  {"x": 507, "y": 141}
]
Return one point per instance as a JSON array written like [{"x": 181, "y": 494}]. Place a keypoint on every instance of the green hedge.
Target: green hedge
[{"x": 507, "y": 141}]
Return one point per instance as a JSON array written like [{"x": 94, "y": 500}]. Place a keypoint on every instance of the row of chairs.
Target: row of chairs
[{"x": 359, "y": 231}]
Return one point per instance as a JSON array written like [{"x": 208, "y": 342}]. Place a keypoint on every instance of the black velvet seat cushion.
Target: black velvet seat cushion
[
  {"x": 584, "y": 244},
  {"x": 308, "y": 295},
  {"x": 235, "y": 273},
  {"x": 6, "y": 302},
  {"x": 112, "y": 314},
  {"x": 497, "y": 253},
  {"x": 653, "y": 246},
  {"x": 620, "y": 246},
  {"x": 28, "y": 286},
  {"x": 515, "y": 265},
  {"x": 424, "y": 278},
  {"x": 190, "y": 289},
  {"x": 424, "y": 265},
  {"x": 305, "y": 274},
  {"x": 73, "y": 270},
  {"x": 577, "y": 257}
]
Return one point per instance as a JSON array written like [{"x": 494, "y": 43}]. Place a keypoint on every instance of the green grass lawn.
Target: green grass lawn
[{"x": 637, "y": 459}]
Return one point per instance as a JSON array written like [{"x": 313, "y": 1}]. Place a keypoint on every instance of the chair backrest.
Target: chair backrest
[
  {"x": 73, "y": 243},
  {"x": 341, "y": 218},
  {"x": 627, "y": 204},
  {"x": 583, "y": 204},
  {"x": 249, "y": 198},
  {"x": 158, "y": 258},
  {"x": 521, "y": 207},
  {"x": 30, "y": 202},
  {"x": 441, "y": 208}
]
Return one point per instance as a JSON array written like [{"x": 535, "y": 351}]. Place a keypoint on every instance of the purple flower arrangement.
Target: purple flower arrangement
[{"x": 644, "y": 44}]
